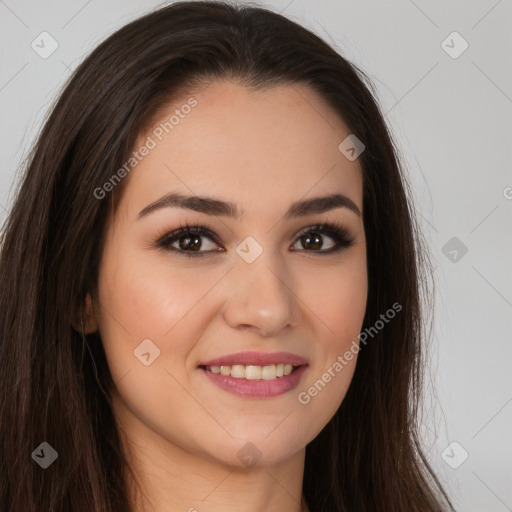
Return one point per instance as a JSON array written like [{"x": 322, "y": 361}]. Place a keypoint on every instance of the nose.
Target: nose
[{"x": 261, "y": 296}]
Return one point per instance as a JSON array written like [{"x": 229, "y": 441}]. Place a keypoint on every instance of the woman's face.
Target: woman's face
[{"x": 262, "y": 283}]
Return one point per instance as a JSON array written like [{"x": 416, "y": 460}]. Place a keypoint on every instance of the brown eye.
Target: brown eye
[
  {"x": 312, "y": 239},
  {"x": 189, "y": 240}
]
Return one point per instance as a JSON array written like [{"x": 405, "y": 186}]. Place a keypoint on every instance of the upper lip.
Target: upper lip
[{"x": 256, "y": 359}]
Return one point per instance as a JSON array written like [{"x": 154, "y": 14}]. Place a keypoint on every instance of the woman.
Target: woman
[{"x": 210, "y": 283}]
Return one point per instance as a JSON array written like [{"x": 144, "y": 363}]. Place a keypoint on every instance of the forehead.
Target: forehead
[{"x": 254, "y": 148}]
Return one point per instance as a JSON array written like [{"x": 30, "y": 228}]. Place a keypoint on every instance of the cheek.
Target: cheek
[
  {"x": 150, "y": 300},
  {"x": 153, "y": 298},
  {"x": 144, "y": 298},
  {"x": 337, "y": 295},
  {"x": 339, "y": 305}
]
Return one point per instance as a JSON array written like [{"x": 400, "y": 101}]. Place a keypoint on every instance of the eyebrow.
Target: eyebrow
[{"x": 211, "y": 206}]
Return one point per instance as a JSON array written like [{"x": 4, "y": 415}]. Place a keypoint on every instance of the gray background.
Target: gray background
[{"x": 452, "y": 120}]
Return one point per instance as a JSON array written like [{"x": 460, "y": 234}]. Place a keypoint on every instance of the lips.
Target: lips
[
  {"x": 258, "y": 388},
  {"x": 256, "y": 359}
]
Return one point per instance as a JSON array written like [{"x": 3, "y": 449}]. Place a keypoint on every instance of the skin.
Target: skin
[{"x": 261, "y": 150}]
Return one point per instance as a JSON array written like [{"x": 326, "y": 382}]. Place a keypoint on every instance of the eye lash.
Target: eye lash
[
  {"x": 335, "y": 230},
  {"x": 196, "y": 229}
]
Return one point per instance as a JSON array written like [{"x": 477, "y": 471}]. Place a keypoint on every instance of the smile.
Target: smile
[
  {"x": 252, "y": 372},
  {"x": 255, "y": 381}
]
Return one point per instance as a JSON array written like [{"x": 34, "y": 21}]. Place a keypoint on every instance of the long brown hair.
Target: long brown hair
[{"x": 55, "y": 381}]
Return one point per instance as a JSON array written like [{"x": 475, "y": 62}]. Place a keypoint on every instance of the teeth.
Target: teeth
[
  {"x": 252, "y": 372},
  {"x": 267, "y": 372},
  {"x": 249, "y": 372},
  {"x": 237, "y": 371}
]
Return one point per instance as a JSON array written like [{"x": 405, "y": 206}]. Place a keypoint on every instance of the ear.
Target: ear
[{"x": 86, "y": 315}]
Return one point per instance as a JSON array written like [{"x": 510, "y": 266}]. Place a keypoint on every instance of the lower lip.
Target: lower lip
[{"x": 257, "y": 388}]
